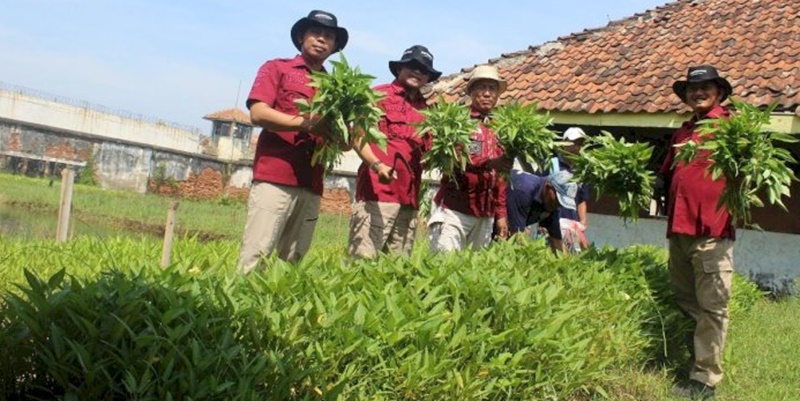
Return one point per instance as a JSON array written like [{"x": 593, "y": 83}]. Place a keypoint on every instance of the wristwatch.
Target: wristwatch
[{"x": 374, "y": 165}]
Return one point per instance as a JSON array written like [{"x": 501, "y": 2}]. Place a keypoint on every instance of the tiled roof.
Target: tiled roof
[
  {"x": 230, "y": 115},
  {"x": 630, "y": 65}
]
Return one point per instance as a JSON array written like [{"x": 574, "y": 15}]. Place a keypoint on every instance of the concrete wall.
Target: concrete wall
[
  {"x": 117, "y": 164},
  {"x": 71, "y": 115},
  {"x": 771, "y": 259}
]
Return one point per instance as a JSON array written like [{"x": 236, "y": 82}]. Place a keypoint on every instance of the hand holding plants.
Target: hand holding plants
[{"x": 747, "y": 155}]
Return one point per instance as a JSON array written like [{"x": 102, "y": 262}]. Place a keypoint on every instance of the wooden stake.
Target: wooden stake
[
  {"x": 169, "y": 233},
  {"x": 65, "y": 207}
]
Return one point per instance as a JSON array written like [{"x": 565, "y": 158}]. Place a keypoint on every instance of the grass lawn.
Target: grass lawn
[{"x": 109, "y": 212}]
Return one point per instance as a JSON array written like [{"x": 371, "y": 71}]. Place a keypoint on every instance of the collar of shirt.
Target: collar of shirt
[
  {"x": 401, "y": 90},
  {"x": 484, "y": 117},
  {"x": 717, "y": 112},
  {"x": 299, "y": 62}
]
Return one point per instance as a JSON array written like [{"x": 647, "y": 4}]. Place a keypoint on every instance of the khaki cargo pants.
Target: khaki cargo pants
[
  {"x": 700, "y": 271},
  {"x": 381, "y": 227},
  {"x": 279, "y": 218}
]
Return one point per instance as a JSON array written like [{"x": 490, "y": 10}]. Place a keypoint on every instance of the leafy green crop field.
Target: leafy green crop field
[{"x": 96, "y": 318}]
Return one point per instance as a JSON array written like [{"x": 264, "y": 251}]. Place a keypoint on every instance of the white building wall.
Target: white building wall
[{"x": 69, "y": 115}]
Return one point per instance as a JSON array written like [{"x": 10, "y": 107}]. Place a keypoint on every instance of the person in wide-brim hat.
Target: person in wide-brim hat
[
  {"x": 699, "y": 74},
  {"x": 322, "y": 19},
  {"x": 416, "y": 54},
  {"x": 487, "y": 72}
]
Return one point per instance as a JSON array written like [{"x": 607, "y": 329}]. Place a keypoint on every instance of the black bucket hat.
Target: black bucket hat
[
  {"x": 419, "y": 54},
  {"x": 323, "y": 19},
  {"x": 702, "y": 73}
]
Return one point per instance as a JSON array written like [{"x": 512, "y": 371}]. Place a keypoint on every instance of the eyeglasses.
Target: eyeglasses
[{"x": 417, "y": 67}]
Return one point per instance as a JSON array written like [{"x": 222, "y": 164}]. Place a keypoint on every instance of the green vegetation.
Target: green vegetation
[
  {"x": 524, "y": 133},
  {"x": 96, "y": 318},
  {"x": 748, "y": 155},
  {"x": 450, "y": 127},
  {"x": 346, "y": 100},
  {"x": 144, "y": 214},
  {"x": 617, "y": 168}
]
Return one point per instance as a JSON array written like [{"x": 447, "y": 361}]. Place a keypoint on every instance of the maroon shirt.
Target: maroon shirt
[
  {"x": 404, "y": 150},
  {"x": 693, "y": 195},
  {"x": 479, "y": 191},
  {"x": 284, "y": 157}
]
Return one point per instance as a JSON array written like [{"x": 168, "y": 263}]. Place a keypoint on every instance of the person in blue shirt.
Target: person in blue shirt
[
  {"x": 533, "y": 199},
  {"x": 576, "y": 137}
]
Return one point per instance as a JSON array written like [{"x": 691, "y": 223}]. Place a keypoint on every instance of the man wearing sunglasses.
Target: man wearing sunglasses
[{"x": 388, "y": 182}]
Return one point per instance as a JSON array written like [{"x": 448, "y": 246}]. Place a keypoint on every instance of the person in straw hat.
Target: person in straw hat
[
  {"x": 285, "y": 195},
  {"x": 470, "y": 203},
  {"x": 701, "y": 235},
  {"x": 384, "y": 214}
]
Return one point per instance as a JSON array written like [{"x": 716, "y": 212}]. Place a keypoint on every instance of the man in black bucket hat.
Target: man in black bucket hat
[
  {"x": 388, "y": 182},
  {"x": 319, "y": 19},
  {"x": 285, "y": 195},
  {"x": 416, "y": 56},
  {"x": 700, "y": 234}
]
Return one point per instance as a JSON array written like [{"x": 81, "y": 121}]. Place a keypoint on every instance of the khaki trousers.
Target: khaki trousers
[
  {"x": 279, "y": 218},
  {"x": 454, "y": 231},
  {"x": 700, "y": 271},
  {"x": 381, "y": 227}
]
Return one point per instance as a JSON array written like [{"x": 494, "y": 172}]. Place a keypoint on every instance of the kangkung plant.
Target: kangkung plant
[
  {"x": 524, "y": 133},
  {"x": 100, "y": 320},
  {"x": 450, "y": 127},
  {"x": 743, "y": 151},
  {"x": 617, "y": 168},
  {"x": 346, "y": 100}
]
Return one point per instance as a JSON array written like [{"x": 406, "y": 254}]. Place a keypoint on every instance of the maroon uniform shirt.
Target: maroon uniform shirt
[
  {"x": 479, "y": 191},
  {"x": 404, "y": 150},
  {"x": 693, "y": 195},
  {"x": 284, "y": 157}
]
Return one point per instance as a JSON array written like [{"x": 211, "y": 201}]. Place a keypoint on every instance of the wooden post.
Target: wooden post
[
  {"x": 169, "y": 233},
  {"x": 65, "y": 207}
]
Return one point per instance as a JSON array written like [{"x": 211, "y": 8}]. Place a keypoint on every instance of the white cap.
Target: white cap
[{"x": 573, "y": 133}]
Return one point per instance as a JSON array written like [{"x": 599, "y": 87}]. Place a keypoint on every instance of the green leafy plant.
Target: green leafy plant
[
  {"x": 451, "y": 127},
  {"x": 86, "y": 175},
  {"x": 747, "y": 154},
  {"x": 617, "y": 168},
  {"x": 101, "y": 320},
  {"x": 346, "y": 99},
  {"x": 523, "y": 132}
]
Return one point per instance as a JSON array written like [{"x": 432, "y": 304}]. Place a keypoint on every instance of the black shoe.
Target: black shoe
[{"x": 693, "y": 389}]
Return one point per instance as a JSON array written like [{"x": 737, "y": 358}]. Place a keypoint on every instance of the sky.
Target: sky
[{"x": 178, "y": 60}]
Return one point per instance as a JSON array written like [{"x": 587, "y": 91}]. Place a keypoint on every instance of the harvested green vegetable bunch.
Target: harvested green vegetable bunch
[
  {"x": 742, "y": 150},
  {"x": 524, "y": 133},
  {"x": 346, "y": 99},
  {"x": 451, "y": 128},
  {"x": 618, "y": 168}
]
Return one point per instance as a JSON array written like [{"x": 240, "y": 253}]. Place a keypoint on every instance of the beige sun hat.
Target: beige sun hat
[{"x": 487, "y": 72}]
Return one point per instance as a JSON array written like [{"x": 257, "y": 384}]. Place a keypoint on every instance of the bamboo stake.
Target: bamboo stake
[
  {"x": 65, "y": 207},
  {"x": 169, "y": 233}
]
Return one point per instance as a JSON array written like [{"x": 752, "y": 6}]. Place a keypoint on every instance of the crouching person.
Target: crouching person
[{"x": 534, "y": 199}]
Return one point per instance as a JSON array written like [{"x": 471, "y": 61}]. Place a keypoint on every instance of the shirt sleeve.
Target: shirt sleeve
[
  {"x": 265, "y": 86},
  {"x": 583, "y": 194},
  {"x": 517, "y": 210},
  {"x": 553, "y": 224},
  {"x": 500, "y": 198},
  {"x": 666, "y": 168}
]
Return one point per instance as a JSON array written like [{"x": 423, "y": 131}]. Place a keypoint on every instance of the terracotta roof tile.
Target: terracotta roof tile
[
  {"x": 230, "y": 115},
  {"x": 630, "y": 65}
]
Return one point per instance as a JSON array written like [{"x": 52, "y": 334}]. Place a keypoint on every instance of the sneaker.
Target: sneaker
[{"x": 693, "y": 389}]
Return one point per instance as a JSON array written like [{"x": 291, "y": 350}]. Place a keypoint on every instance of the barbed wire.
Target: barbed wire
[{"x": 96, "y": 107}]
